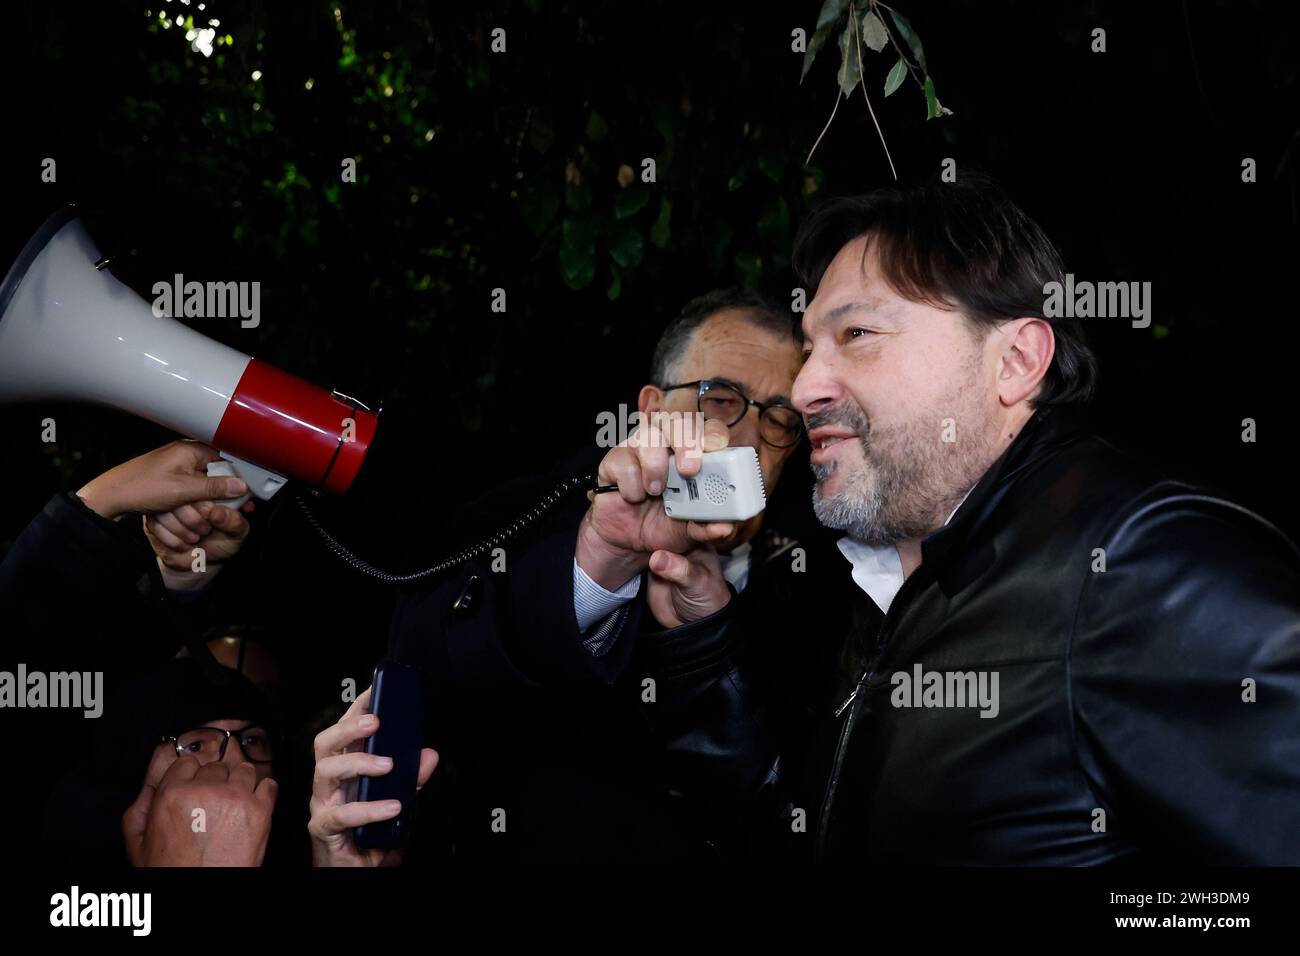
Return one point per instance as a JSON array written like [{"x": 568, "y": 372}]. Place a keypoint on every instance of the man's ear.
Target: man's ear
[
  {"x": 650, "y": 400},
  {"x": 1027, "y": 346}
]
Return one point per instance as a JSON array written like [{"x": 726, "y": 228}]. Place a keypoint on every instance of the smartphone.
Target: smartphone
[{"x": 397, "y": 699}]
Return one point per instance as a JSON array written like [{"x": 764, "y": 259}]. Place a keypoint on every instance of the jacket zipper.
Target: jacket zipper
[
  {"x": 823, "y": 815},
  {"x": 855, "y": 699},
  {"x": 848, "y": 700}
]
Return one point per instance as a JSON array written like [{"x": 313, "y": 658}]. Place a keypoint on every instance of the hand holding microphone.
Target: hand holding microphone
[{"x": 629, "y": 532}]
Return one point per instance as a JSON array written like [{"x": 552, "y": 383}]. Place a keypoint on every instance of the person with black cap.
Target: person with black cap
[
  {"x": 82, "y": 591},
  {"x": 181, "y": 771}
]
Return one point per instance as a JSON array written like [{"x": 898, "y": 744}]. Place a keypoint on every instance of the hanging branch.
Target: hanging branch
[
  {"x": 878, "y": 37},
  {"x": 862, "y": 79}
]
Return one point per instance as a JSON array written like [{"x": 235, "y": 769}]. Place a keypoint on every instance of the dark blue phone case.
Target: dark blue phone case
[{"x": 397, "y": 699}]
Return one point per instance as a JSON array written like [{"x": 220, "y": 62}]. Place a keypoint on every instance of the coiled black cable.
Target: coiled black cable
[{"x": 543, "y": 504}]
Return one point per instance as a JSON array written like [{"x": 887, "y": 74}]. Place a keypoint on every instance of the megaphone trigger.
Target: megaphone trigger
[{"x": 261, "y": 483}]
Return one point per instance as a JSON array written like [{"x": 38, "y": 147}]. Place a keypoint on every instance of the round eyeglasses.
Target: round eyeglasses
[{"x": 779, "y": 425}]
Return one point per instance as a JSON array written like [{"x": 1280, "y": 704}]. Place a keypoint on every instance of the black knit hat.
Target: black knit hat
[{"x": 83, "y": 816}]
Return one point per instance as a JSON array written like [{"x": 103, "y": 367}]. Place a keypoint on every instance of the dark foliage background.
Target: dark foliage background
[{"x": 479, "y": 170}]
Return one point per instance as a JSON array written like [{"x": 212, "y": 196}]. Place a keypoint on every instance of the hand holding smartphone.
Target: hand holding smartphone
[{"x": 397, "y": 699}]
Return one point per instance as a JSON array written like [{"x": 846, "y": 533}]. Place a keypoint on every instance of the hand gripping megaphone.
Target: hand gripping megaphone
[{"x": 70, "y": 331}]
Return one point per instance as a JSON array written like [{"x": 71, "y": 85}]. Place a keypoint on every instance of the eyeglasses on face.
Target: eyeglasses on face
[
  {"x": 209, "y": 744},
  {"x": 778, "y": 424}
]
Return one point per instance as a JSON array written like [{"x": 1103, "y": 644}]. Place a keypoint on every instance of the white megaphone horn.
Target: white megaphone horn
[{"x": 70, "y": 331}]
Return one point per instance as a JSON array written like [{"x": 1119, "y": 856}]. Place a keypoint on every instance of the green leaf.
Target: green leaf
[
  {"x": 931, "y": 101},
  {"x": 874, "y": 33},
  {"x": 614, "y": 289},
  {"x": 933, "y": 107},
  {"x": 577, "y": 267},
  {"x": 596, "y": 127},
  {"x": 662, "y": 228},
  {"x": 896, "y": 76},
  {"x": 630, "y": 201},
  {"x": 578, "y": 233},
  {"x": 577, "y": 254},
  {"x": 848, "y": 75},
  {"x": 627, "y": 249},
  {"x": 772, "y": 165},
  {"x": 909, "y": 35},
  {"x": 830, "y": 14}
]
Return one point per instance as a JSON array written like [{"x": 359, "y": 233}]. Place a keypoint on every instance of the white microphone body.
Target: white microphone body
[{"x": 728, "y": 487}]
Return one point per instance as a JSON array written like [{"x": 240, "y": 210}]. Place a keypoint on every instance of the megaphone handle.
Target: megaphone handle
[{"x": 261, "y": 482}]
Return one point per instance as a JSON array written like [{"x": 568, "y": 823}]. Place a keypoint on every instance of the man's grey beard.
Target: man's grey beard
[{"x": 906, "y": 485}]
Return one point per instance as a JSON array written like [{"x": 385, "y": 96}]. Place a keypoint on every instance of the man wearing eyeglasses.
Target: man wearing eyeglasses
[
  {"x": 208, "y": 797},
  {"x": 550, "y": 751},
  {"x": 181, "y": 770},
  {"x": 209, "y": 792},
  {"x": 732, "y": 358}
]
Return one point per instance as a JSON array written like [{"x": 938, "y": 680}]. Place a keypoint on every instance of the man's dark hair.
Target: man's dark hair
[
  {"x": 676, "y": 338},
  {"x": 962, "y": 245}
]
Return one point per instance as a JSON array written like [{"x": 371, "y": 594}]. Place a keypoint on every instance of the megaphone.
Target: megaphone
[{"x": 70, "y": 331}]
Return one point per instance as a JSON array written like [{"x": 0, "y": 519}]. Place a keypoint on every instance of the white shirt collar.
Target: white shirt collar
[
  {"x": 735, "y": 566},
  {"x": 877, "y": 568}
]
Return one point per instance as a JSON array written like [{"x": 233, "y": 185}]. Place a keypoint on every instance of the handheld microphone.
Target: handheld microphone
[{"x": 728, "y": 487}]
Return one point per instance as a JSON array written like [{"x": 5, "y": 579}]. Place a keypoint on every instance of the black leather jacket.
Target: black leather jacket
[
  {"x": 1144, "y": 633},
  {"x": 1146, "y": 639}
]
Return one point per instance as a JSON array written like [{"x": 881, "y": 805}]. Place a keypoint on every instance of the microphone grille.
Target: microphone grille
[{"x": 716, "y": 489}]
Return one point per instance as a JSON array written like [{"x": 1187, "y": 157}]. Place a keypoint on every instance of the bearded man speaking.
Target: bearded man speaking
[{"x": 1055, "y": 652}]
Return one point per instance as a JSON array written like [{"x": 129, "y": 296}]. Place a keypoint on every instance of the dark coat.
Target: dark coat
[
  {"x": 1149, "y": 711},
  {"x": 531, "y": 721}
]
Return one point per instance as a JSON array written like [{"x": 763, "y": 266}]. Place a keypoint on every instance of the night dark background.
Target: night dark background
[{"x": 479, "y": 170}]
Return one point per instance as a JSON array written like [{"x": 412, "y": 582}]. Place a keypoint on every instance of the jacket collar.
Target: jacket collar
[{"x": 1049, "y": 428}]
